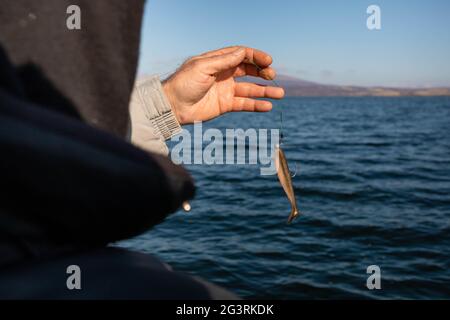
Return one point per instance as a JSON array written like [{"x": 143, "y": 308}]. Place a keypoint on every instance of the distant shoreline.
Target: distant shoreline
[
  {"x": 295, "y": 87},
  {"x": 334, "y": 91},
  {"x": 365, "y": 96}
]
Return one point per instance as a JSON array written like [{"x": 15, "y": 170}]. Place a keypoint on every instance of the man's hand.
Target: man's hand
[{"x": 204, "y": 87}]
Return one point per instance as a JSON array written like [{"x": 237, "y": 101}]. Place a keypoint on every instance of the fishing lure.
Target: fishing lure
[{"x": 281, "y": 164}]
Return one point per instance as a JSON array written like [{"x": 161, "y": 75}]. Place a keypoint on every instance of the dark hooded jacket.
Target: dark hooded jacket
[{"x": 67, "y": 175}]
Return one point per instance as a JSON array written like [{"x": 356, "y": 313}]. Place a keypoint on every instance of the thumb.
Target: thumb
[{"x": 212, "y": 65}]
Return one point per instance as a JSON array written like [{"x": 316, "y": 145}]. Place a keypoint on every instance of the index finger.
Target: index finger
[
  {"x": 258, "y": 57},
  {"x": 252, "y": 55}
]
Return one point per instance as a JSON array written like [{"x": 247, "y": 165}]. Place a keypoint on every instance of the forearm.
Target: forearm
[{"x": 152, "y": 120}]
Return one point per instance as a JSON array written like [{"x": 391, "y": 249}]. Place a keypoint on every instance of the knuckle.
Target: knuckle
[
  {"x": 194, "y": 63},
  {"x": 190, "y": 60}
]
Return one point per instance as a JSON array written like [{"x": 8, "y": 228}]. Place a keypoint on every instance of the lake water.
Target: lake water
[{"x": 373, "y": 183}]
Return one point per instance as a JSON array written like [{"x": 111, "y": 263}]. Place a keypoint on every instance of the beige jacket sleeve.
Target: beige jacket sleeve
[{"x": 151, "y": 117}]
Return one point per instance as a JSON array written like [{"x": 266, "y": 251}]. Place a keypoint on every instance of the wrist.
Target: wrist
[{"x": 168, "y": 93}]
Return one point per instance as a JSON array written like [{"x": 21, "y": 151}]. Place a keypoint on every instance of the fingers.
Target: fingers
[
  {"x": 245, "y": 69},
  {"x": 248, "y": 90},
  {"x": 222, "y": 62},
  {"x": 259, "y": 57},
  {"x": 250, "y": 105}
]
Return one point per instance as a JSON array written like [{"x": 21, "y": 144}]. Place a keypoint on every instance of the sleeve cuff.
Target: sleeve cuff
[{"x": 156, "y": 107}]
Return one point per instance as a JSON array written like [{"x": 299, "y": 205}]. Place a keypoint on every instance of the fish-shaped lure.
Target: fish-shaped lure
[{"x": 284, "y": 175}]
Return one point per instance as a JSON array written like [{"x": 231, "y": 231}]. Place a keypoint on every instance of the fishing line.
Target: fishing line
[
  {"x": 280, "y": 108},
  {"x": 293, "y": 173}
]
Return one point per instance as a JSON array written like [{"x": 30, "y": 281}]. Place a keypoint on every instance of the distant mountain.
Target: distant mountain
[{"x": 295, "y": 87}]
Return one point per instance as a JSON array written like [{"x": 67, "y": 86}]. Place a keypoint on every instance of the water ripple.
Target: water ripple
[{"x": 374, "y": 188}]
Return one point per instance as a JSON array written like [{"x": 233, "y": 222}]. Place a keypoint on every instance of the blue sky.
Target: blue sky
[{"x": 319, "y": 40}]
